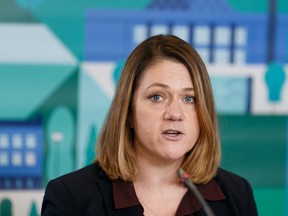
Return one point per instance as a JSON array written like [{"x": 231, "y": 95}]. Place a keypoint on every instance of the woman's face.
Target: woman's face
[{"x": 164, "y": 115}]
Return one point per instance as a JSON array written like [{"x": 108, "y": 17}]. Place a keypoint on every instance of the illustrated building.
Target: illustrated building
[
  {"x": 36, "y": 70},
  {"x": 220, "y": 34},
  {"x": 21, "y": 150}
]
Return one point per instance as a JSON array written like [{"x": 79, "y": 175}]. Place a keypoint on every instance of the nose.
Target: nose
[{"x": 174, "y": 111}]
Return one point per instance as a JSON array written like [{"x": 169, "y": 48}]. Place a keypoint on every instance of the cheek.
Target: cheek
[
  {"x": 142, "y": 120},
  {"x": 194, "y": 124}
]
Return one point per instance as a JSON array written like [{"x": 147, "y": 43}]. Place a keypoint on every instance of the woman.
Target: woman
[{"x": 162, "y": 118}]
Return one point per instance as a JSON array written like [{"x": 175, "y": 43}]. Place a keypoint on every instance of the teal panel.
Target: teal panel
[
  {"x": 282, "y": 6},
  {"x": 248, "y": 5},
  {"x": 28, "y": 4},
  {"x": 23, "y": 88},
  {"x": 257, "y": 5},
  {"x": 231, "y": 94},
  {"x": 11, "y": 12},
  {"x": 270, "y": 201},
  {"x": 93, "y": 106},
  {"x": 66, "y": 95},
  {"x": 254, "y": 147}
]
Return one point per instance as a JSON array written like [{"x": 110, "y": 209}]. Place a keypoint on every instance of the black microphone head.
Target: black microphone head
[{"x": 181, "y": 173}]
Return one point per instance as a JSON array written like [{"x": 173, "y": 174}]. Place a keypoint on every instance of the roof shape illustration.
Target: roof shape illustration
[
  {"x": 32, "y": 43},
  {"x": 194, "y": 6},
  {"x": 169, "y": 4},
  {"x": 33, "y": 64}
]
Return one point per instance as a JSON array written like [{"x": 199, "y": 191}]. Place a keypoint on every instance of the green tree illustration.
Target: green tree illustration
[
  {"x": 33, "y": 210},
  {"x": 90, "y": 149},
  {"x": 6, "y": 208}
]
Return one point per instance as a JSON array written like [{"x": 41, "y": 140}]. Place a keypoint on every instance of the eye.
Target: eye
[
  {"x": 189, "y": 99},
  {"x": 156, "y": 98}
]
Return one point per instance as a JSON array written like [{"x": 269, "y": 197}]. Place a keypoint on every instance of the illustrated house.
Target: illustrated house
[
  {"x": 222, "y": 36},
  {"x": 35, "y": 70},
  {"x": 219, "y": 33}
]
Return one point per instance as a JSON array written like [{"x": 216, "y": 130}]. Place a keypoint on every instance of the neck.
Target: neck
[
  {"x": 155, "y": 174},
  {"x": 157, "y": 187}
]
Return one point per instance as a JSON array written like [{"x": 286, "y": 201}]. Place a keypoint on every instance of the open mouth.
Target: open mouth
[{"x": 172, "y": 133}]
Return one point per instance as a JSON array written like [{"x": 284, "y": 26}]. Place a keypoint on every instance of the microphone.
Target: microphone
[{"x": 185, "y": 178}]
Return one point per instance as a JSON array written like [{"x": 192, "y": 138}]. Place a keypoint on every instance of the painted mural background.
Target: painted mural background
[{"x": 60, "y": 62}]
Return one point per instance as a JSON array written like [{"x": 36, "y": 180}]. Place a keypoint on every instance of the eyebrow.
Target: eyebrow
[{"x": 166, "y": 86}]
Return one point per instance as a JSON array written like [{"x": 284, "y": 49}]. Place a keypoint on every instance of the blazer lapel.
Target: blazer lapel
[{"x": 106, "y": 189}]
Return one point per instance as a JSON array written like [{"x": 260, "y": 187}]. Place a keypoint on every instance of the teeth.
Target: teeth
[{"x": 172, "y": 132}]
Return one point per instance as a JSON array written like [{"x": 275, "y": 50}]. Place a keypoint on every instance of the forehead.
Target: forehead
[{"x": 168, "y": 72}]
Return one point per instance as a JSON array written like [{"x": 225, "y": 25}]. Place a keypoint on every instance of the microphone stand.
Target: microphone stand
[{"x": 185, "y": 178}]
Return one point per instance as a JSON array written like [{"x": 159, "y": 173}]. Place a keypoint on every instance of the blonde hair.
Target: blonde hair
[{"x": 115, "y": 148}]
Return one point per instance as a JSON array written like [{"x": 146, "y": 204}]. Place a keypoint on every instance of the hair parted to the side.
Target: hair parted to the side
[{"x": 115, "y": 148}]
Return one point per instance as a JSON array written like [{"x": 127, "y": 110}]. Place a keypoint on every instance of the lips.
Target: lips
[{"x": 172, "y": 132}]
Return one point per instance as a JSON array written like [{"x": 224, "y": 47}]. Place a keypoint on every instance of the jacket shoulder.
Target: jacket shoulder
[
  {"x": 238, "y": 192},
  {"x": 75, "y": 193},
  {"x": 232, "y": 183},
  {"x": 226, "y": 176},
  {"x": 86, "y": 174}
]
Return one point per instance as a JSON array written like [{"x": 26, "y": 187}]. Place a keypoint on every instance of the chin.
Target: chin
[{"x": 174, "y": 157}]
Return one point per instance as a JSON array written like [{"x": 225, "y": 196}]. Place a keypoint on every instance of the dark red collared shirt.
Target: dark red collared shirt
[{"x": 125, "y": 196}]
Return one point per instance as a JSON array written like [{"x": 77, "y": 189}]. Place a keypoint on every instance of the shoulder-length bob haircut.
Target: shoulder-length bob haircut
[{"x": 115, "y": 147}]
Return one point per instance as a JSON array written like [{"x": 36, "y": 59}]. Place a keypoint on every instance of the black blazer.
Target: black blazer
[{"x": 88, "y": 192}]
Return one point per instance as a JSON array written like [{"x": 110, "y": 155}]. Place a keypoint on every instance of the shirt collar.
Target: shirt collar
[
  {"x": 125, "y": 196},
  {"x": 210, "y": 192}
]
